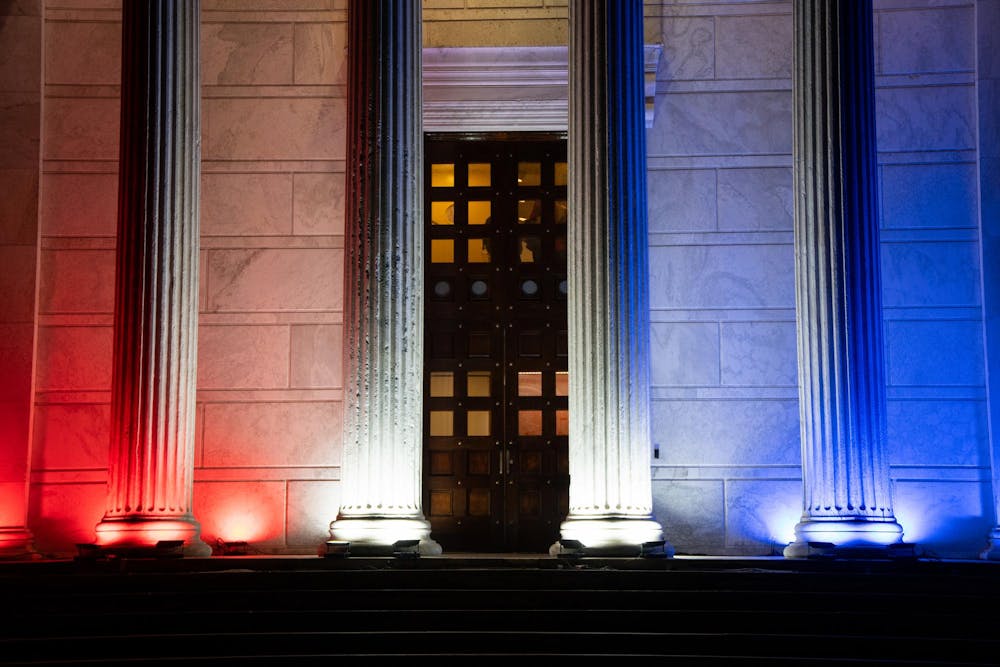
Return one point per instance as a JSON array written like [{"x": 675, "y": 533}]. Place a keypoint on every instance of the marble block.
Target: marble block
[
  {"x": 246, "y": 54},
  {"x": 275, "y": 279},
  {"x": 250, "y": 511},
  {"x": 17, "y": 283},
  {"x": 242, "y": 357},
  {"x": 720, "y": 432},
  {"x": 264, "y": 434},
  {"x": 938, "y": 39},
  {"x": 929, "y": 195},
  {"x": 19, "y": 206},
  {"x": 692, "y": 513},
  {"x": 246, "y": 204},
  {"x": 947, "y": 519},
  {"x": 77, "y": 281},
  {"x": 684, "y": 353},
  {"x": 755, "y": 199},
  {"x": 923, "y": 119},
  {"x": 726, "y": 123},
  {"x": 321, "y": 54},
  {"x": 87, "y": 53},
  {"x": 312, "y": 505},
  {"x": 688, "y": 48},
  {"x": 63, "y": 515},
  {"x": 80, "y": 128},
  {"x": 754, "y": 47},
  {"x": 318, "y": 204},
  {"x": 681, "y": 200},
  {"x": 759, "y": 354},
  {"x": 19, "y": 132},
  {"x": 722, "y": 276},
  {"x": 930, "y": 274},
  {"x": 74, "y": 358},
  {"x": 317, "y": 355},
  {"x": 942, "y": 432},
  {"x": 301, "y": 128},
  {"x": 934, "y": 353},
  {"x": 761, "y": 514},
  {"x": 79, "y": 205},
  {"x": 73, "y": 435},
  {"x": 20, "y": 53}
]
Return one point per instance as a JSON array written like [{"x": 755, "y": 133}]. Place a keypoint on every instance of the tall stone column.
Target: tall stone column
[
  {"x": 156, "y": 281},
  {"x": 610, "y": 492},
  {"x": 988, "y": 89},
  {"x": 383, "y": 282},
  {"x": 845, "y": 474}
]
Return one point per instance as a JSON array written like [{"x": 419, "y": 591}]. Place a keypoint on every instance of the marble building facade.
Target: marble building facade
[{"x": 726, "y": 462}]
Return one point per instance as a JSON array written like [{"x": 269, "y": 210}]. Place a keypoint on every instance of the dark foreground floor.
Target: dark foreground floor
[{"x": 291, "y": 611}]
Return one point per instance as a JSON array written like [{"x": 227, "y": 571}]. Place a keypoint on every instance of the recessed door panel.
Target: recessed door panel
[{"x": 495, "y": 392}]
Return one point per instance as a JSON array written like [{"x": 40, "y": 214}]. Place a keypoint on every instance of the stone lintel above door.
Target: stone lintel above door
[{"x": 501, "y": 89}]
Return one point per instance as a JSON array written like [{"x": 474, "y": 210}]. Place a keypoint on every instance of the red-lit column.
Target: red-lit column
[
  {"x": 847, "y": 500},
  {"x": 156, "y": 285},
  {"x": 610, "y": 493},
  {"x": 383, "y": 282}
]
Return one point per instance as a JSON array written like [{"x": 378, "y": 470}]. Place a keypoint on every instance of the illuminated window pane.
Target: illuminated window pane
[
  {"x": 562, "y": 422},
  {"x": 529, "y": 422},
  {"x": 442, "y": 422},
  {"x": 478, "y": 383},
  {"x": 560, "y": 216},
  {"x": 442, "y": 251},
  {"x": 442, "y": 213},
  {"x": 442, "y": 175},
  {"x": 562, "y": 383},
  {"x": 479, "y": 174},
  {"x": 561, "y": 173},
  {"x": 529, "y": 211},
  {"x": 442, "y": 384},
  {"x": 478, "y": 422},
  {"x": 529, "y": 173},
  {"x": 479, "y": 251},
  {"x": 560, "y": 248},
  {"x": 529, "y": 383},
  {"x": 530, "y": 249},
  {"x": 479, "y": 212}
]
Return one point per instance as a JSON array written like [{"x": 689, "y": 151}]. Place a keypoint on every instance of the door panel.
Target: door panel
[{"x": 495, "y": 443}]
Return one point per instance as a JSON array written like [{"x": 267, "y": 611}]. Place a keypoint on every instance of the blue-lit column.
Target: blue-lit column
[
  {"x": 988, "y": 89},
  {"x": 383, "y": 282},
  {"x": 847, "y": 498},
  {"x": 610, "y": 492}
]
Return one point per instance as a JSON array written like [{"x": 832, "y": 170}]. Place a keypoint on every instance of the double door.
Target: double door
[{"x": 495, "y": 391}]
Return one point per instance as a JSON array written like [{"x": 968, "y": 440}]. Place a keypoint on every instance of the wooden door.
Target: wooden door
[{"x": 495, "y": 392}]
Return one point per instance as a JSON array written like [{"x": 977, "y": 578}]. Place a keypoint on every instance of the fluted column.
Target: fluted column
[
  {"x": 610, "y": 491},
  {"x": 156, "y": 282},
  {"x": 847, "y": 499},
  {"x": 383, "y": 282}
]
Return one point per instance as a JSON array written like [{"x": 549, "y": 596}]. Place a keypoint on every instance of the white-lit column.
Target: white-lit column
[
  {"x": 847, "y": 500},
  {"x": 610, "y": 491},
  {"x": 156, "y": 281},
  {"x": 383, "y": 282}
]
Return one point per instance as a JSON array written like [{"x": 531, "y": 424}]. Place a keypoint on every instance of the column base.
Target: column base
[
  {"x": 16, "y": 543},
  {"x": 992, "y": 550},
  {"x": 138, "y": 536},
  {"x": 375, "y": 535},
  {"x": 612, "y": 536},
  {"x": 846, "y": 538}
]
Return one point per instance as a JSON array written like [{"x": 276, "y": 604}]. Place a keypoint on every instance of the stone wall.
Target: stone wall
[
  {"x": 726, "y": 475},
  {"x": 720, "y": 181}
]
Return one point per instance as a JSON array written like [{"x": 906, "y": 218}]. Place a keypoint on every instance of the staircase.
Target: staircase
[{"x": 291, "y": 611}]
